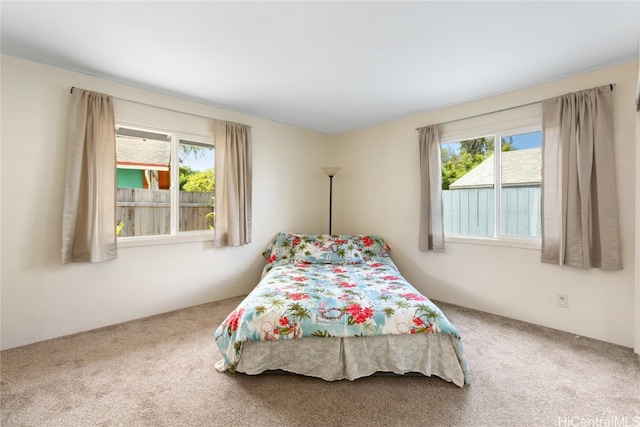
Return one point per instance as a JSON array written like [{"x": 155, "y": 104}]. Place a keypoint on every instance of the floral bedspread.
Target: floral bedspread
[{"x": 304, "y": 293}]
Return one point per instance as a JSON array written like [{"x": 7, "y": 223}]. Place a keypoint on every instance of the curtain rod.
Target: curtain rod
[
  {"x": 611, "y": 85},
  {"x": 170, "y": 109}
]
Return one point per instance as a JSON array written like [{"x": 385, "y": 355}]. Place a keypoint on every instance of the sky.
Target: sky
[
  {"x": 527, "y": 140},
  {"x": 201, "y": 162},
  {"x": 520, "y": 141}
]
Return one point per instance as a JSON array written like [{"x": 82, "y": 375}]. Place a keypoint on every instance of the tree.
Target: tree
[
  {"x": 185, "y": 172},
  {"x": 193, "y": 151},
  {"x": 478, "y": 147},
  {"x": 199, "y": 181},
  {"x": 471, "y": 153},
  {"x": 507, "y": 144},
  {"x": 194, "y": 180}
]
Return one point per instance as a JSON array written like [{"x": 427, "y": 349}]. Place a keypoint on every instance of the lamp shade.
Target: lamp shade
[{"x": 331, "y": 170}]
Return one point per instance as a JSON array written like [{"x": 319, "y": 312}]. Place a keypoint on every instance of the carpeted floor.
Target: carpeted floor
[{"x": 159, "y": 372}]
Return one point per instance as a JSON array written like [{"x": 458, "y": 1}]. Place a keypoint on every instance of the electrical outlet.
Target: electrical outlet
[{"x": 562, "y": 300}]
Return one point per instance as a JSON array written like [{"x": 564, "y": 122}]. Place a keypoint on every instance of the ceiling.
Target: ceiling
[{"x": 325, "y": 66}]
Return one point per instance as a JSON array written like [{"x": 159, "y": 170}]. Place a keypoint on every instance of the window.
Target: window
[
  {"x": 165, "y": 183},
  {"x": 489, "y": 193}
]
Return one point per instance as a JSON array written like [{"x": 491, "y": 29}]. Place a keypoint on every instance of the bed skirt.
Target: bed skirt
[{"x": 337, "y": 358}]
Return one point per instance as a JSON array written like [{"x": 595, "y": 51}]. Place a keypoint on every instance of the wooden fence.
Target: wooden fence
[
  {"x": 148, "y": 212},
  {"x": 470, "y": 211}
]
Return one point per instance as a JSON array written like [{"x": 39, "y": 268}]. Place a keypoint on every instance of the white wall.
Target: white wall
[
  {"x": 41, "y": 299},
  {"x": 377, "y": 192}
]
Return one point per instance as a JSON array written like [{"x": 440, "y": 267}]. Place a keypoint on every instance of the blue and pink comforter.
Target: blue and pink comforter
[{"x": 330, "y": 286}]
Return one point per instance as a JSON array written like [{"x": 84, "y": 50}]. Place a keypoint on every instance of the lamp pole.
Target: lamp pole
[
  {"x": 330, "y": 200},
  {"x": 331, "y": 171}
]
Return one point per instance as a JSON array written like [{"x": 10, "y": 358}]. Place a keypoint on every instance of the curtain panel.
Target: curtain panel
[
  {"x": 580, "y": 206},
  {"x": 431, "y": 232},
  {"x": 232, "y": 225},
  {"x": 88, "y": 225}
]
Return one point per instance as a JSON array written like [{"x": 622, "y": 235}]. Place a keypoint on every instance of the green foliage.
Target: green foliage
[
  {"x": 191, "y": 180},
  {"x": 482, "y": 147},
  {"x": 472, "y": 152},
  {"x": 193, "y": 151},
  {"x": 119, "y": 228},
  {"x": 211, "y": 215},
  {"x": 198, "y": 181},
  {"x": 507, "y": 144},
  {"x": 457, "y": 165},
  {"x": 185, "y": 172}
]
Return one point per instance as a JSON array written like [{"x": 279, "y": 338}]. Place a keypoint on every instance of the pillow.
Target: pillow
[
  {"x": 373, "y": 246},
  {"x": 267, "y": 251},
  {"x": 325, "y": 249},
  {"x": 279, "y": 248}
]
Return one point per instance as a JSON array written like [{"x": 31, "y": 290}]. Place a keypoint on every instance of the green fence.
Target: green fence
[{"x": 470, "y": 211}]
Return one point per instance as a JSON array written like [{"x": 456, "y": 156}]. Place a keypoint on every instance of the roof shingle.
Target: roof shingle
[{"x": 519, "y": 167}]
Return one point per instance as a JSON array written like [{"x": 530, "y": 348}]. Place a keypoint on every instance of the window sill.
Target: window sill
[
  {"x": 509, "y": 243},
  {"x": 130, "y": 242}
]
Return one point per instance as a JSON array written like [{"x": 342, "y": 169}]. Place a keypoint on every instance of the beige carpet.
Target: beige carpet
[{"x": 159, "y": 372}]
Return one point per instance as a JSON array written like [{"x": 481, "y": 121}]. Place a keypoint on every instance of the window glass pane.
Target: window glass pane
[
  {"x": 196, "y": 186},
  {"x": 143, "y": 199},
  {"x": 521, "y": 165},
  {"x": 468, "y": 187}
]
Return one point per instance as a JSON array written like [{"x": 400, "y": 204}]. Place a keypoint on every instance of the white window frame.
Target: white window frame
[
  {"x": 175, "y": 235},
  {"x": 513, "y": 122}
]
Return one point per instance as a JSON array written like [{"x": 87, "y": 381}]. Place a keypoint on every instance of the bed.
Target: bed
[{"x": 336, "y": 307}]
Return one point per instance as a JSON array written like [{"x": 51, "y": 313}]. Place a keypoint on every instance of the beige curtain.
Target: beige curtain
[
  {"x": 580, "y": 206},
  {"x": 233, "y": 184},
  {"x": 431, "y": 234},
  {"x": 88, "y": 224}
]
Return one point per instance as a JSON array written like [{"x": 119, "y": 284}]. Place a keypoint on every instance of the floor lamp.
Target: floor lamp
[{"x": 331, "y": 171}]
